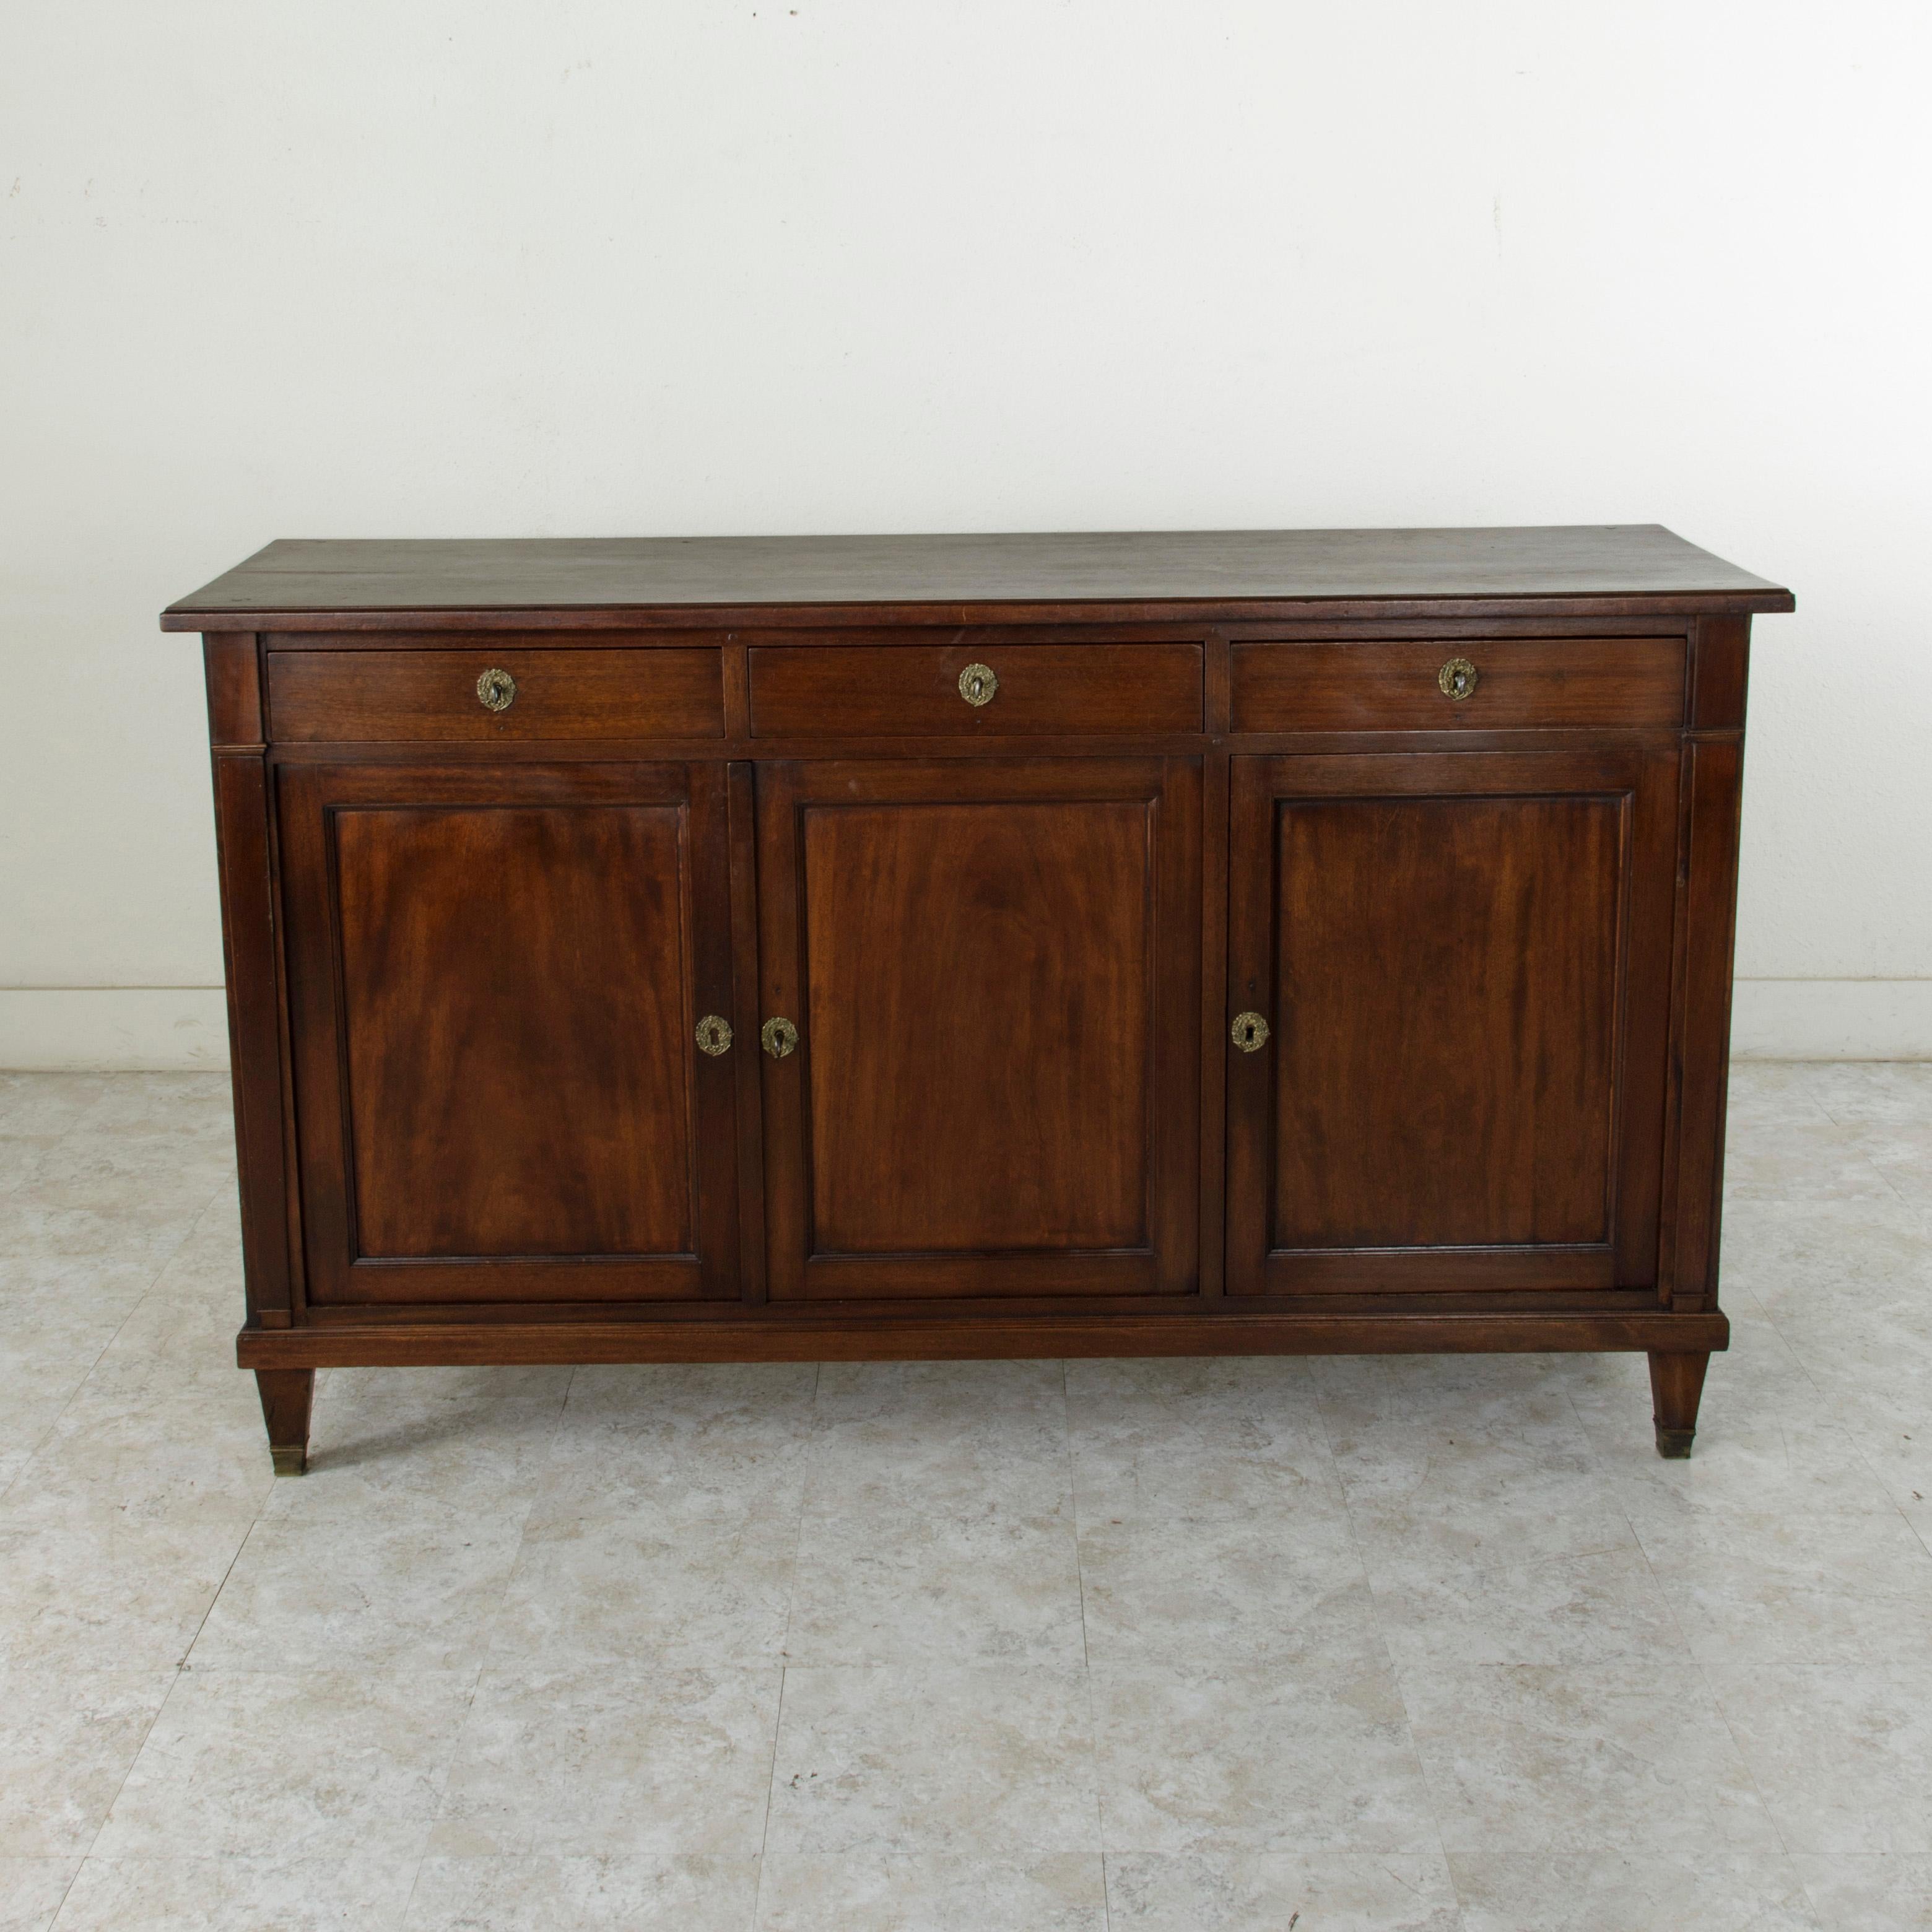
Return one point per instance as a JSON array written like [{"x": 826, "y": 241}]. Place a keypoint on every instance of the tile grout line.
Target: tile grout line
[
  {"x": 483, "y": 1659},
  {"x": 529, "y": 1509},
  {"x": 1381, "y": 1635},
  {"x": 1850, "y": 1128},
  {"x": 1689, "y": 1650},
  {"x": 1086, "y": 1653},
  {"x": 784, "y": 1647},
  {"x": 161, "y": 1268}
]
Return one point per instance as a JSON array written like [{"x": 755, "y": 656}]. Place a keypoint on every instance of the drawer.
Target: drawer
[
  {"x": 835, "y": 691},
  {"x": 371, "y": 696},
  {"x": 1518, "y": 683}
]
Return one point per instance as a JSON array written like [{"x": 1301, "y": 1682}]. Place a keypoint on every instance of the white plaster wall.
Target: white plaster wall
[{"x": 585, "y": 267}]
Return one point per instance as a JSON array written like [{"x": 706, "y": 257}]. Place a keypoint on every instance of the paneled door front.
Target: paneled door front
[
  {"x": 496, "y": 976},
  {"x": 1447, "y": 1002},
  {"x": 984, "y": 980}
]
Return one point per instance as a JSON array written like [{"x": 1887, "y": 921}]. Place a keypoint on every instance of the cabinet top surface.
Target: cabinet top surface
[{"x": 1153, "y": 573}]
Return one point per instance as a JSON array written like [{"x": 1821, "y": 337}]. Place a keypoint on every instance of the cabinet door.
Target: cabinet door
[
  {"x": 993, "y": 971},
  {"x": 495, "y": 974},
  {"x": 1464, "y": 962}
]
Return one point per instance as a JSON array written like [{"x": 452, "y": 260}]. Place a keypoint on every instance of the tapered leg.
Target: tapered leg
[
  {"x": 1676, "y": 1382},
  {"x": 286, "y": 1395}
]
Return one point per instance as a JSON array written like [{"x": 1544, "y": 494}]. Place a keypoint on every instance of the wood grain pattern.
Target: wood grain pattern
[
  {"x": 320, "y": 695},
  {"x": 1701, "y": 1044},
  {"x": 1216, "y": 569},
  {"x": 1447, "y": 988},
  {"x": 993, "y": 968},
  {"x": 1722, "y": 656},
  {"x": 230, "y": 662},
  {"x": 242, "y": 854},
  {"x": 515, "y": 989},
  {"x": 1630, "y": 683},
  {"x": 778, "y": 1335},
  {"x": 894, "y": 691},
  {"x": 497, "y": 974},
  {"x": 1467, "y": 1053}
]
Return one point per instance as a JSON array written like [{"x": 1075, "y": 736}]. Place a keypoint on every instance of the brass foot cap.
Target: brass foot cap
[
  {"x": 1674, "y": 1443},
  {"x": 289, "y": 1462}
]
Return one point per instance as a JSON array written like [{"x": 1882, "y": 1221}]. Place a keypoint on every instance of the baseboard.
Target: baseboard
[
  {"x": 1832, "y": 1019},
  {"x": 131, "y": 1029},
  {"x": 114, "y": 1029}
]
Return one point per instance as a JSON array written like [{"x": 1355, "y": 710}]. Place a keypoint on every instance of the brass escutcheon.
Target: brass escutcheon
[
  {"x": 780, "y": 1038},
  {"x": 1457, "y": 679},
  {"x": 714, "y": 1035},
  {"x": 495, "y": 690},
  {"x": 1250, "y": 1032},
  {"x": 977, "y": 684}
]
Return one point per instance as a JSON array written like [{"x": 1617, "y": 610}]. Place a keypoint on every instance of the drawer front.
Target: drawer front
[
  {"x": 482, "y": 694},
  {"x": 833, "y": 690},
  {"x": 1508, "y": 683}
]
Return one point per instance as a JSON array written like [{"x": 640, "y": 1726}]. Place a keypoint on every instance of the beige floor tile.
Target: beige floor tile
[
  {"x": 1784, "y": 1542},
  {"x": 941, "y": 1436},
  {"x": 993, "y": 1762},
  {"x": 239, "y": 1894},
  {"x": 45, "y": 1353},
  {"x": 66, "y": 1740},
  {"x": 1238, "y": 1438},
  {"x": 32, "y": 1891},
  {"x": 705, "y": 1584},
  {"x": 1567, "y": 1612},
  {"x": 198, "y": 1105},
  {"x": 882, "y": 1580},
  {"x": 729, "y": 1435},
  {"x": 83, "y": 1587},
  {"x": 1842, "y": 1754},
  {"x": 1259, "y": 1760},
  {"x": 93, "y": 1287},
  {"x": 1593, "y": 1888},
  {"x": 1532, "y": 1762},
  {"x": 55, "y": 1104},
  {"x": 331, "y": 1765},
  {"x": 1901, "y": 1149},
  {"x": 537, "y": 1893},
  {"x": 1798, "y": 1254},
  {"x": 1266, "y": 1588},
  {"x": 595, "y": 1759},
  {"x": 1766, "y": 1096},
  {"x": 1265, "y": 1891},
  {"x": 1869, "y": 1894},
  {"x": 1854, "y": 1091},
  {"x": 1822, "y": 1162},
  {"x": 186, "y": 1456},
  {"x": 1055, "y": 1892},
  {"x": 485, "y": 1454},
  {"x": 393, "y": 1591},
  {"x": 1449, "y": 1464}
]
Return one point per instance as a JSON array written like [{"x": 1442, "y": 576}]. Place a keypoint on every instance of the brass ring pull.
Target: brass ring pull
[
  {"x": 1456, "y": 679},
  {"x": 714, "y": 1035},
  {"x": 977, "y": 684},
  {"x": 780, "y": 1038},
  {"x": 495, "y": 690},
  {"x": 1250, "y": 1032}
]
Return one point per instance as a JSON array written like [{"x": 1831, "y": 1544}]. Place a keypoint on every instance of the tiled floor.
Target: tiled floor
[{"x": 990, "y": 1648}]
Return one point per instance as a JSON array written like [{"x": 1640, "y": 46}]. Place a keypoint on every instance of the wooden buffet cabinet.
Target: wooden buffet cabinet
[{"x": 918, "y": 947}]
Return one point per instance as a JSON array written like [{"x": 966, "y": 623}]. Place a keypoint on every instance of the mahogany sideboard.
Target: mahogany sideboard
[{"x": 1133, "y": 944}]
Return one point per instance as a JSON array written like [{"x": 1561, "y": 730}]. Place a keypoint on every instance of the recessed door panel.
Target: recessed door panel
[
  {"x": 513, "y": 992},
  {"x": 495, "y": 979},
  {"x": 991, "y": 969},
  {"x": 1463, "y": 1082}
]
